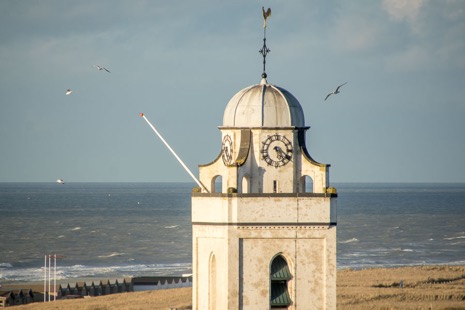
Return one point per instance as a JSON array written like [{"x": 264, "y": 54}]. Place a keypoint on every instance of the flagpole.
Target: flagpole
[
  {"x": 45, "y": 277},
  {"x": 55, "y": 279},
  {"x": 49, "y": 265}
]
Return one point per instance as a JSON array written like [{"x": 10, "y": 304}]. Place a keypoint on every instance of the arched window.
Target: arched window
[
  {"x": 306, "y": 184},
  {"x": 279, "y": 278},
  {"x": 217, "y": 184},
  {"x": 245, "y": 184}
]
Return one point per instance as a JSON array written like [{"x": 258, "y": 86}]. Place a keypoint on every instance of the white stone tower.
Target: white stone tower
[{"x": 264, "y": 226}]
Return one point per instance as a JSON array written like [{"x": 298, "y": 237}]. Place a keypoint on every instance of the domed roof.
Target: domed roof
[{"x": 263, "y": 105}]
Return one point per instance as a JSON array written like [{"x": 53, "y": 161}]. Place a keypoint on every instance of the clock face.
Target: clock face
[
  {"x": 276, "y": 150},
  {"x": 227, "y": 150}
]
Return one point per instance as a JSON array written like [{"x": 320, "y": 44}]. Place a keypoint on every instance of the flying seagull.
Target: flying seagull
[
  {"x": 100, "y": 68},
  {"x": 265, "y": 15},
  {"x": 68, "y": 92},
  {"x": 336, "y": 91}
]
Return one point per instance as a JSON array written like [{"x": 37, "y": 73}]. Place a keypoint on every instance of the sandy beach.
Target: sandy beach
[{"x": 421, "y": 287}]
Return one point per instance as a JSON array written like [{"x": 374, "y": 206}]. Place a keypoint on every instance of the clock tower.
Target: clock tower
[{"x": 264, "y": 225}]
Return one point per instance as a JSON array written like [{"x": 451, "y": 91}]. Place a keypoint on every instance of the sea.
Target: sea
[{"x": 120, "y": 230}]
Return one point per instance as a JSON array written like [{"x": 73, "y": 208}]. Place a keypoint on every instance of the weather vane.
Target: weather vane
[{"x": 265, "y": 50}]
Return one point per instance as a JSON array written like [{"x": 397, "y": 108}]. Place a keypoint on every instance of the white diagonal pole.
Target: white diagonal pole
[{"x": 174, "y": 153}]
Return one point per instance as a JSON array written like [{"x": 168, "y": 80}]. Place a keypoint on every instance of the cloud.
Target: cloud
[
  {"x": 401, "y": 10},
  {"x": 354, "y": 28},
  {"x": 428, "y": 35},
  {"x": 355, "y": 34},
  {"x": 412, "y": 58}
]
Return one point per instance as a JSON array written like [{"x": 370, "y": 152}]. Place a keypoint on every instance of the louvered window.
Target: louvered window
[{"x": 279, "y": 277}]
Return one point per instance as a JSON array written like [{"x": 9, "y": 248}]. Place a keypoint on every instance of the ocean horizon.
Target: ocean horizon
[{"x": 117, "y": 230}]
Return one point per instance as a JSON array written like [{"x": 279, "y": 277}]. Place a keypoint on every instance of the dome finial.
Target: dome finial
[{"x": 265, "y": 50}]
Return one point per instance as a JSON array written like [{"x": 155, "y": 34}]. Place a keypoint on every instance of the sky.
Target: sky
[{"x": 400, "y": 117}]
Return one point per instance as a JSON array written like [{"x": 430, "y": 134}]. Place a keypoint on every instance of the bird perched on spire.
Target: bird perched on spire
[
  {"x": 336, "y": 91},
  {"x": 265, "y": 15}
]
